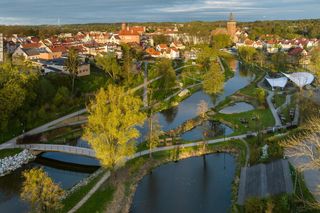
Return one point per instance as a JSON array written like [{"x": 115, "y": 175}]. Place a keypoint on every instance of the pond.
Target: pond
[
  {"x": 187, "y": 109},
  {"x": 66, "y": 176},
  {"x": 190, "y": 185},
  {"x": 237, "y": 108},
  {"x": 210, "y": 128}
]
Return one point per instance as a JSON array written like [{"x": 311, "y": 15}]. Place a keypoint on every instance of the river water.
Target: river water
[{"x": 191, "y": 185}]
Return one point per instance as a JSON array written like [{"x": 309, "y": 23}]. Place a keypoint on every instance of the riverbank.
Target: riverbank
[
  {"x": 121, "y": 186},
  {"x": 9, "y": 164}
]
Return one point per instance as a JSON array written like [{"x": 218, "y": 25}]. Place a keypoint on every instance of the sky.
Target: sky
[{"x": 32, "y": 12}]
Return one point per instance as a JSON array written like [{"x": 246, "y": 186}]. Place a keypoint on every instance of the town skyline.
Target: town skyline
[{"x": 37, "y": 12}]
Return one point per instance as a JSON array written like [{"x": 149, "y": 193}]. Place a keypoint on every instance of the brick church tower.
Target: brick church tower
[{"x": 231, "y": 26}]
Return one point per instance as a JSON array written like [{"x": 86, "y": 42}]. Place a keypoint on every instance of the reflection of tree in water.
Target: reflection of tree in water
[
  {"x": 10, "y": 185},
  {"x": 213, "y": 128},
  {"x": 170, "y": 114},
  {"x": 243, "y": 70}
]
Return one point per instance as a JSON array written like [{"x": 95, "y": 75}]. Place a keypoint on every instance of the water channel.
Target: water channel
[{"x": 191, "y": 185}]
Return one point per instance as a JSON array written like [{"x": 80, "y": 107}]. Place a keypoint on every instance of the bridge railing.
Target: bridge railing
[{"x": 58, "y": 148}]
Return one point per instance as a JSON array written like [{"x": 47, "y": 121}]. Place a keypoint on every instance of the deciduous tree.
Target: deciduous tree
[
  {"x": 108, "y": 63},
  {"x": 111, "y": 128},
  {"x": 214, "y": 79},
  {"x": 164, "y": 68},
  {"x": 72, "y": 65}
]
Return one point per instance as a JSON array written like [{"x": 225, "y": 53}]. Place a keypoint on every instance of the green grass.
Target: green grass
[
  {"x": 70, "y": 201},
  {"x": 9, "y": 152},
  {"x": 98, "y": 201},
  {"x": 279, "y": 100},
  {"x": 265, "y": 120}
]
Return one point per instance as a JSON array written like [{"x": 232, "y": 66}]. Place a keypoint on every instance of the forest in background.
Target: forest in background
[{"x": 285, "y": 29}]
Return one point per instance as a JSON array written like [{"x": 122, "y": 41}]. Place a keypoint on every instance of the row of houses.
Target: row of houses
[{"x": 276, "y": 45}]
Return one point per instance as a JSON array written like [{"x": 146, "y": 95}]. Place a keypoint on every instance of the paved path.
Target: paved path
[
  {"x": 42, "y": 128},
  {"x": 247, "y": 152},
  {"x": 90, "y": 193},
  {"x": 285, "y": 104},
  {"x": 272, "y": 108}
]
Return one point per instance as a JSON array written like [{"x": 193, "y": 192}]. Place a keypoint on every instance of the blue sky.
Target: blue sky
[{"x": 93, "y": 11}]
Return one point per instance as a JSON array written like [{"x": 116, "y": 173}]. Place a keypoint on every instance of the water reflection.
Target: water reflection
[
  {"x": 10, "y": 185},
  {"x": 237, "y": 108},
  {"x": 209, "y": 129},
  {"x": 191, "y": 185}
]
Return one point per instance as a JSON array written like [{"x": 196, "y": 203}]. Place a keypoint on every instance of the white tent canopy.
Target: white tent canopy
[
  {"x": 277, "y": 82},
  {"x": 301, "y": 79}
]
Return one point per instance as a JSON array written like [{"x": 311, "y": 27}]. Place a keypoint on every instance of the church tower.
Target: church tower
[{"x": 231, "y": 25}]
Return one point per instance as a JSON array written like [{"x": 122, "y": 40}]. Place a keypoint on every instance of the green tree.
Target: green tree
[
  {"x": 108, "y": 63},
  {"x": 62, "y": 96},
  {"x": 315, "y": 59},
  {"x": 247, "y": 53},
  {"x": 261, "y": 95},
  {"x": 154, "y": 133},
  {"x": 16, "y": 89},
  {"x": 205, "y": 56},
  {"x": 164, "y": 68},
  {"x": 213, "y": 80},
  {"x": 279, "y": 62},
  {"x": 72, "y": 66},
  {"x": 221, "y": 41},
  {"x": 111, "y": 128},
  {"x": 127, "y": 62},
  {"x": 40, "y": 191}
]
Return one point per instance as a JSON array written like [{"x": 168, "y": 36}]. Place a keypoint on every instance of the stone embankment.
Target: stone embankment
[{"x": 11, "y": 163}]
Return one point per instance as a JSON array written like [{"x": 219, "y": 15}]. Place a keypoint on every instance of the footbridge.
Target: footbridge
[{"x": 58, "y": 148}]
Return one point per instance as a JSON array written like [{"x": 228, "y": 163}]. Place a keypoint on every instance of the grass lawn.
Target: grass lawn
[
  {"x": 279, "y": 100},
  {"x": 76, "y": 196},
  {"x": 9, "y": 152},
  {"x": 265, "y": 120}
]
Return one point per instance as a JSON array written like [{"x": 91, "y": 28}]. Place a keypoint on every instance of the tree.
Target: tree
[
  {"x": 205, "y": 56},
  {"x": 213, "y": 80},
  {"x": 164, "y": 68},
  {"x": 306, "y": 144},
  {"x": 40, "y": 191},
  {"x": 127, "y": 62},
  {"x": 261, "y": 95},
  {"x": 260, "y": 57},
  {"x": 315, "y": 59},
  {"x": 111, "y": 127},
  {"x": 279, "y": 62},
  {"x": 154, "y": 133},
  {"x": 108, "y": 63},
  {"x": 221, "y": 41},
  {"x": 16, "y": 89},
  {"x": 247, "y": 53},
  {"x": 72, "y": 64},
  {"x": 202, "y": 110}
]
